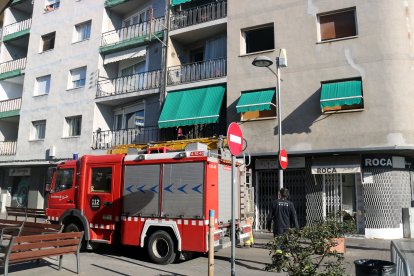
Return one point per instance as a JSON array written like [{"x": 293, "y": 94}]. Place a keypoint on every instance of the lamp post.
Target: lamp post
[{"x": 281, "y": 61}]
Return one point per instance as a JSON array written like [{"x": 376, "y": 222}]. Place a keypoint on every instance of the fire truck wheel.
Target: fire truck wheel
[
  {"x": 73, "y": 227},
  {"x": 161, "y": 249}
]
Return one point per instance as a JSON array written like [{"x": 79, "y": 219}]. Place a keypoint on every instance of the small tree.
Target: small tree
[{"x": 307, "y": 251}]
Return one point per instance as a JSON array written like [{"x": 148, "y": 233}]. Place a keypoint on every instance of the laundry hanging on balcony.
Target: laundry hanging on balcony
[
  {"x": 127, "y": 54},
  {"x": 192, "y": 107}
]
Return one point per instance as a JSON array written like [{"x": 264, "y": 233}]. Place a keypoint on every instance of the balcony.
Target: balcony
[
  {"x": 113, "y": 3},
  {"x": 197, "y": 71},
  {"x": 129, "y": 84},
  {"x": 111, "y": 138},
  {"x": 12, "y": 68},
  {"x": 17, "y": 2},
  {"x": 141, "y": 135},
  {"x": 8, "y": 148},
  {"x": 16, "y": 30},
  {"x": 199, "y": 14},
  {"x": 10, "y": 108},
  {"x": 132, "y": 36}
]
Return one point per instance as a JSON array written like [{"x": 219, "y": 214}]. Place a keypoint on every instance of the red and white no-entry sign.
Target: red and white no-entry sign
[
  {"x": 283, "y": 159},
  {"x": 235, "y": 139}
]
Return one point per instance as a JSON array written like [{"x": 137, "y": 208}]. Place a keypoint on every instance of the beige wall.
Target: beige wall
[{"x": 381, "y": 54}]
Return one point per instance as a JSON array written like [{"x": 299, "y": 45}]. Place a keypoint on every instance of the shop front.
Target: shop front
[{"x": 370, "y": 189}]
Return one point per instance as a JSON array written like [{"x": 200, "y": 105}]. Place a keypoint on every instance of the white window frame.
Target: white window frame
[
  {"x": 69, "y": 130},
  {"x": 42, "y": 42},
  {"x": 78, "y": 31},
  {"x": 37, "y": 133},
  {"x": 123, "y": 111},
  {"x": 243, "y": 49},
  {"x": 39, "y": 80},
  {"x": 318, "y": 29},
  {"x": 74, "y": 82}
]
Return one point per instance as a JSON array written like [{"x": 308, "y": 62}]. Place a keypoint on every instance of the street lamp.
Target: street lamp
[{"x": 281, "y": 61}]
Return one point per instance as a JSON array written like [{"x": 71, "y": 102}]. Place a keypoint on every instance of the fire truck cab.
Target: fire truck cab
[{"x": 160, "y": 201}]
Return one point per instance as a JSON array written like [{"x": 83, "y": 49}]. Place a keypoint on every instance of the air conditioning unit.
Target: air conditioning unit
[{"x": 52, "y": 151}]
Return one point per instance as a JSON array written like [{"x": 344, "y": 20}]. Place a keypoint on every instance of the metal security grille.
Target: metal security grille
[
  {"x": 266, "y": 190},
  {"x": 267, "y": 185},
  {"x": 314, "y": 202},
  {"x": 333, "y": 194},
  {"x": 384, "y": 198}
]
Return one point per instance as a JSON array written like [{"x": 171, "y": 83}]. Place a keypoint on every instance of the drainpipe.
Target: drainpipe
[{"x": 164, "y": 75}]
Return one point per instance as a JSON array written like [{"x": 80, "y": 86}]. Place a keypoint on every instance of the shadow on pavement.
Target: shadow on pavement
[
  {"x": 34, "y": 264},
  {"x": 367, "y": 248},
  {"x": 139, "y": 254},
  {"x": 242, "y": 262}
]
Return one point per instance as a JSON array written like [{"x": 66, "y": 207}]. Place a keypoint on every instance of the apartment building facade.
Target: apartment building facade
[
  {"x": 346, "y": 120},
  {"x": 79, "y": 77}
]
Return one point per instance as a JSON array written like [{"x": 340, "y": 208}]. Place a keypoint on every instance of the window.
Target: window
[
  {"x": 64, "y": 179},
  {"x": 73, "y": 126},
  {"x": 337, "y": 25},
  {"x": 38, "y": 130},
  {"x": 255, "y": 105},
  {"x": 48, "y": 41},
  {"x": 42, "y": 85},
  {"x": 82, "y": 31},
  {"x": 77, "y": 78},
  {"x": 101, "y": 180},
  {"x": 51, "y": 5},
  {"x": 130, "y": 120},
  {"x": 259, "y": 39},
  {"x": 341, "y": 95}
]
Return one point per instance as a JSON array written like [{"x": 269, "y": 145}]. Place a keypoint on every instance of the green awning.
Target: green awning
[
  {"x": 192, "y": 107},
  {"x": 255, "y": 101},
  {"x": 178, "y": 2},
  {"x": 341, "y": 93}
]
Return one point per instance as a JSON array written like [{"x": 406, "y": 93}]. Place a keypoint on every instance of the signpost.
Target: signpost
[
  {"x": 236, "y": 142},
  {"x": 283, "y": 159}
]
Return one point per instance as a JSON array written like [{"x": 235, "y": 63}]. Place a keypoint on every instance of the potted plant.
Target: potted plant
[
  {"x": 336, "y": 227},
  {"x": 310, "y": 250}
]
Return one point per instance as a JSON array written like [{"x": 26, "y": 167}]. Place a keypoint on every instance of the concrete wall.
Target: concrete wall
[
  {"x": 11, "y": 90},
  {"x": 381, "y": 54}
]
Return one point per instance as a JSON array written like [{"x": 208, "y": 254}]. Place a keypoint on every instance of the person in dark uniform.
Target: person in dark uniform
[{"x": 282, "y": 213}]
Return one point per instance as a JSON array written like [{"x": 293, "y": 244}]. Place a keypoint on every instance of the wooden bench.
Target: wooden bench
[
  {"x": 36, "y": 213},
  {"x": 34, "y": 228},
  {"x": 25, "y": 213},
  {"x": 16, "y": 212},
  {"x": 35, "y": 247},
  {"x": 9, "y": 228}
]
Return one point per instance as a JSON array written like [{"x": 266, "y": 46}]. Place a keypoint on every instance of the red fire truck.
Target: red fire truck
[{"x": 159, "y": 201}]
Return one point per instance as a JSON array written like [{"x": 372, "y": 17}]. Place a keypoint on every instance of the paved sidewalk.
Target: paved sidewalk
[
  {"x": 356, "y": 248},
  {"x": 122, "y": 260}
]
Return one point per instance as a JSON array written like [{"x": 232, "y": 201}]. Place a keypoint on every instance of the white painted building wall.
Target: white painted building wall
[{"x": 61, "y": 102}]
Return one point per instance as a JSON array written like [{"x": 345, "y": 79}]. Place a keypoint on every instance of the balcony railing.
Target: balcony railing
[
  {"x": 12, "y": 65},
  {"x": 197, "y": 15},
  {"x": 10, "y": 105},
  {"x": 128, "y": 84},
  {"x": 17, "y": 27},
  {"x": 111, "y": 138},
  {"x": 134, "y": 31},
  {"x": 8, "y": 147},
  {"x": 204, "y": 70}
]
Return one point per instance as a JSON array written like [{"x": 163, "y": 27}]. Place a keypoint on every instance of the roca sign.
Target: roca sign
[
  {"x": 325, "y": 170},
  {"x": 378, "y": 162}
]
